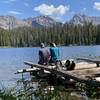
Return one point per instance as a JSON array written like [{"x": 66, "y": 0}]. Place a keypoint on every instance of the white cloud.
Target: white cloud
[
  {"x": 51, "y": 10},
  {"x": 26, "y": 4},
  {"x": 14, "y": 12},
  {"x": 96, "y": 5}
]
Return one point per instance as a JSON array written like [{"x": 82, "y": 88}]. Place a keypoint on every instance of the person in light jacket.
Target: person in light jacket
[{"x": 54, "y": 52}]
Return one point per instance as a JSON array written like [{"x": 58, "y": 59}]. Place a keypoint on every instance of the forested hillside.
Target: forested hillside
[{"x": 61, "y": 34}]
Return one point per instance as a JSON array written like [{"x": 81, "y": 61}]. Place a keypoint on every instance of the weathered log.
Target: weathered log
[
  {"x": 98, "y": 79},
  {"x": 87, "y": 72},
  {"x": 84, "y": 65},
  {"x": 27, "y": 70},
  {"x": 97, "y": 62}
]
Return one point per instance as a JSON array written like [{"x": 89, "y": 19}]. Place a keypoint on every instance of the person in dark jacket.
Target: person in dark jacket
[{"x": 44, "y": 55}]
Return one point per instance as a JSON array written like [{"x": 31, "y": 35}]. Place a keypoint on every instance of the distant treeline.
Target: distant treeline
[{"x": 60, "y": 34}]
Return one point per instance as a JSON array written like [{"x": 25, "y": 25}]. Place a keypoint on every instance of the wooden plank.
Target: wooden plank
[
  {"x": 90, "y": 60},
  {"x": 48, "y": 68},
  {"x": 65, "y": 74},
  {"x": 84, "y": 65},
  {"x": 87, "y": 72}
]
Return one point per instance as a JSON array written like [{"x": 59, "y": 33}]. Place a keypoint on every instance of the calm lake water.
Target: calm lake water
[{"x": 11, "y": 59}]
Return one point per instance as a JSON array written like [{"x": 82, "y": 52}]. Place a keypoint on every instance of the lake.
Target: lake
[{"x": 11, "y": 59}]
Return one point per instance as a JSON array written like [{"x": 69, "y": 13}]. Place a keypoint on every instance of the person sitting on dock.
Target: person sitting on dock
[
  {"x": 55, "y": 54},
  {"x": 44, "y": 55}
]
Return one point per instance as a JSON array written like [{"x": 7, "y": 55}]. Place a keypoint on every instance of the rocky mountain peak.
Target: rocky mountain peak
[
  {"x": 11, "y": 22},
  {"x": 81, "y": 19},
  {"x": 41, "y": 21},
  {"x": 45, "y": 21}
]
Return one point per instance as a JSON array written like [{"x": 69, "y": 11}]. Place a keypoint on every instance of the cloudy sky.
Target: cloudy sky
[{"x": 61, "y": 10}]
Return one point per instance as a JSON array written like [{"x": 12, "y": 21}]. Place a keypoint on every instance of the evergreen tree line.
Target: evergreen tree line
[{"x": 60, "y": 34}]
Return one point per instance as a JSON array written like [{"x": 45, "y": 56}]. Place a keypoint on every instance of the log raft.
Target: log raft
[
  {"x": 84, "y": 72},
  {"x": 87, "y": 76}
]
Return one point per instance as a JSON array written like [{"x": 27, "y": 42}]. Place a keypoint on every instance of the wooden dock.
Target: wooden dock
[{"x": 84, "y": 72}]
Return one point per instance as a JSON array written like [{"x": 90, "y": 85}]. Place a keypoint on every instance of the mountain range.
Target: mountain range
[
  {"x": 11, "y": 22},
  {"x": 81, "y": 19}
]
